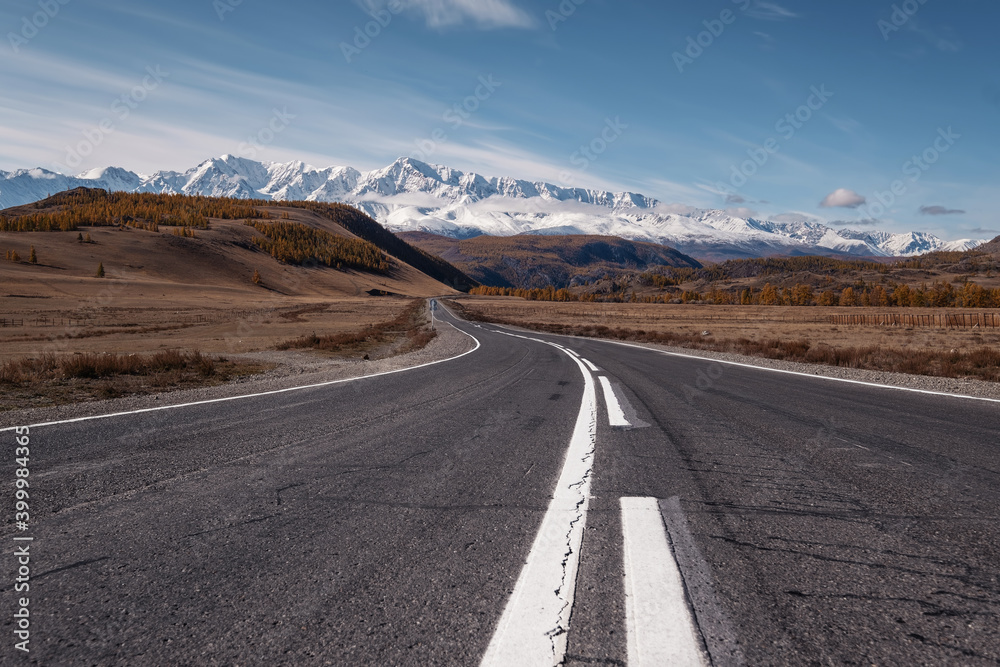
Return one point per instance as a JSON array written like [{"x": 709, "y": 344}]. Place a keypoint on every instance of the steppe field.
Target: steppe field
[{"x": 795, "y": 333}]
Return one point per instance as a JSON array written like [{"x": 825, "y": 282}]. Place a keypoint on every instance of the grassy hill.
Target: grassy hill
[
  {"x": 197, "y": 243},
  {"x": 530, "y": 261}
]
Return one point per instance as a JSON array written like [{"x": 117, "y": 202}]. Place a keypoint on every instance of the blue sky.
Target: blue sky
[{"x": 686, "y": 101}]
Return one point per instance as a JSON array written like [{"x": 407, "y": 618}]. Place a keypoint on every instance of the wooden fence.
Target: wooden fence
[{"x": 943, "y": 321}]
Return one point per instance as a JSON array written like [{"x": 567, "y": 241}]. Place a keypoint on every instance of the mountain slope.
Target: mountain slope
[
  {"x": 539, "y": 261},
  {"x": 298, "y": 247},
  {"x": 410, "y": 195}
]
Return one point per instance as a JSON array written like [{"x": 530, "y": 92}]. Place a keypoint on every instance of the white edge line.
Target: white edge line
[
  {"x": 616, "y": 416},
  {"x": 534, "y": 625},
  {"x": 780, "y": 370},
  {"x": 257, "y": 395},
  {"x": 660, "y": 627}
]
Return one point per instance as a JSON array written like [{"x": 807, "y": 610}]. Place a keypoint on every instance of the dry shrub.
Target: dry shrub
[{"x": 409, "y": 322}]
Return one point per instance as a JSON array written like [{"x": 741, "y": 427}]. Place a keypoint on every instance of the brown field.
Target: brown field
[
  {"x": 193, "y": 296},
  {"x": 796, "y": 334},
  {"x": 161, "y": 291}
]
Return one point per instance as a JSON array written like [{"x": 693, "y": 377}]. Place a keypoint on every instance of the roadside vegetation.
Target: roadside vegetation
[
  {"x": 982, "y": 362},
  {"x": 51, "y": 379},
  {"x": 407, "y": 332}
]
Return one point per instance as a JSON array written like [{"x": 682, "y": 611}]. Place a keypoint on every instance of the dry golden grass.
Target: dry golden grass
[
  {"x": 404, "y": 333},
  {"x": 794, "y": 334},
  {"x": 66, "y": 335},
  {"x": 165, "y": 292},
  {"x": 51, "y": 379}
]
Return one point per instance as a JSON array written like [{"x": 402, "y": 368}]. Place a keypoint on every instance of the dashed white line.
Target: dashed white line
[
  {"x": 616, "y": 416},
  {"x": 661, "y": 629},
  {"x": 534, "y": 625},
  {"x": 590, "y": 365}
]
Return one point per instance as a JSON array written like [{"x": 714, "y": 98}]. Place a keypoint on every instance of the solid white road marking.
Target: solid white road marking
[
  {"x": 244, "y": 396},
  {"x": 534, "y": 625},
  {"x": 616, "y": 416},
  {"x": 661, "y": 629},
  {"x": 781, "y": 370},
  {"x": 589, "y": 364}
]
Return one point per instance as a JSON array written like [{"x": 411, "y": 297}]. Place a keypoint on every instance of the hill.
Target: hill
[
  {"x": 532, "y": 261},
  {"x": 183, "y": 243},
  {"x": 939, "y": 279}
]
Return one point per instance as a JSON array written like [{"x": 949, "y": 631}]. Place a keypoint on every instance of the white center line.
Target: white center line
[
  {"x": 534, "y": 625},
  {"x": 661, "y": 629},
  {"x": 616, "y": 416},
  {"x": 589, "y": 364}
]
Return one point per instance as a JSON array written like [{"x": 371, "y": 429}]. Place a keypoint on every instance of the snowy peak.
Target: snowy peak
[{"x": 411, "y": 195}]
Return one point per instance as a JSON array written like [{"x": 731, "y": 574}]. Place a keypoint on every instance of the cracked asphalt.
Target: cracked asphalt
[{"x": 386, "y": 520}]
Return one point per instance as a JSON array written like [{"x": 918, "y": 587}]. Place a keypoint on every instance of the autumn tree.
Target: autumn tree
[
  {"x": 848, "y": 297},
  {"x": 33, "y": 257},
  {"x": 768, "y": 296},
  {"x": 100, "y": 270}
]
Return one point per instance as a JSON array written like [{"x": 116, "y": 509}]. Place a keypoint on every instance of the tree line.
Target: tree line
[
  {"x": 143, "y": 210},
  {"x": 939, "y": 295},
  {"x": 295, "y": 243}
]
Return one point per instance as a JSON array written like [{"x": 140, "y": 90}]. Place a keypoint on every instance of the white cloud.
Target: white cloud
[
  {"x": 842, "y": 198},
  {"x": 485, "y": 14},
  {"x": 742, "y": 212}
]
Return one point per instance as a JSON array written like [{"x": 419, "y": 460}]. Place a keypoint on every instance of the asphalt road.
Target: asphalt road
[{"x": 413, "y": 519}]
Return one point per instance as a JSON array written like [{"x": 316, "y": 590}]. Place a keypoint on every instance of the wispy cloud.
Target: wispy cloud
[
  {"x": 940, "y": 210},
  {"x": 484, "y": 14},
  {"x": 842, "y": 198},
  {"x": 949, "y": 43},
  {"x": 770, "y": 11}
]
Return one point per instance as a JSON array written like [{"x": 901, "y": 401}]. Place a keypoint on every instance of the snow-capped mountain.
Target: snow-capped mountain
[{"x": 410, "y": 195}]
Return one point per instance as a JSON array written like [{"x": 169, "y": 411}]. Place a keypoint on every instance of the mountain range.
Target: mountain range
[{"x": 410, "y": 195}]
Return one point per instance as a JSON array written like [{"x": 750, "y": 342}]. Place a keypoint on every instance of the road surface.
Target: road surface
[{"x": 539, "y": 500}]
